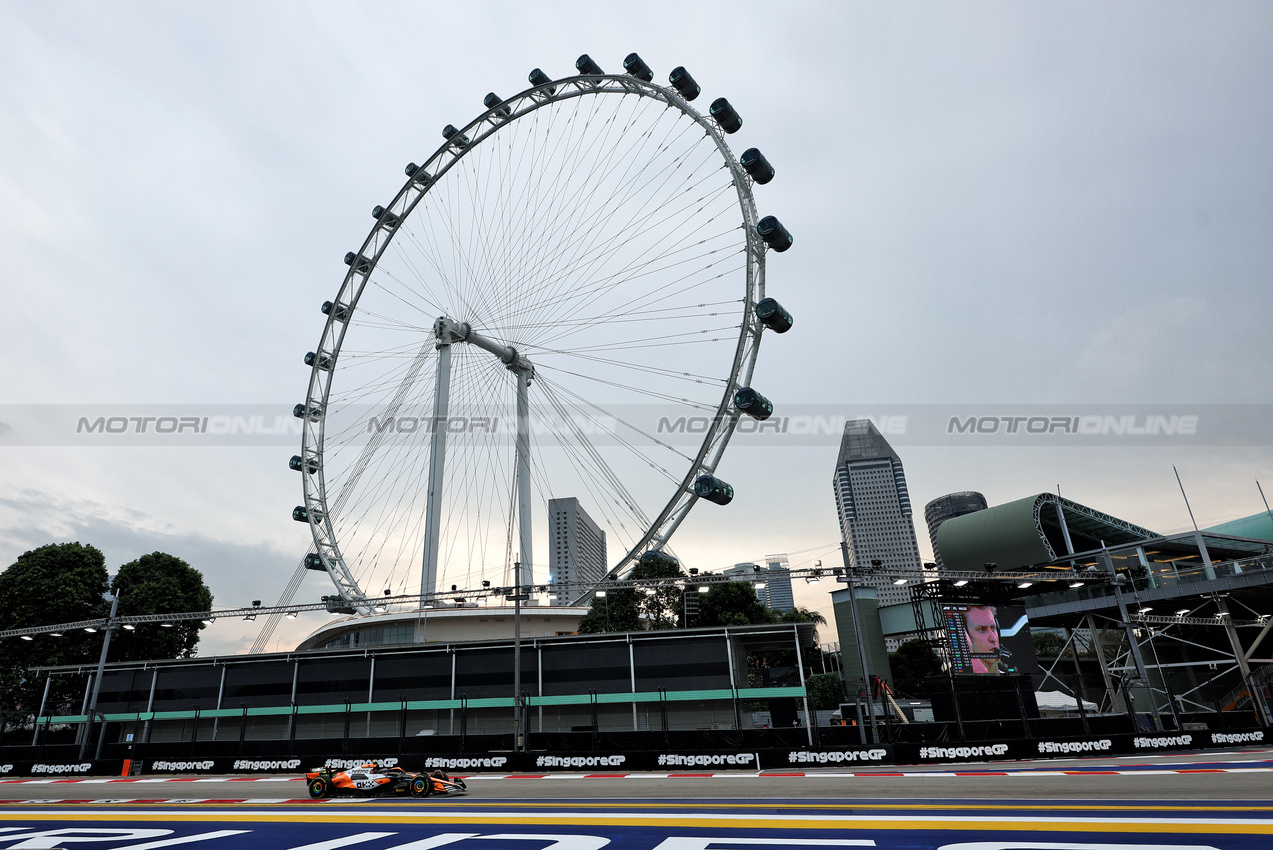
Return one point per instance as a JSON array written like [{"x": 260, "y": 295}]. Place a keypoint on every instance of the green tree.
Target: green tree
[
  {"x": 732, "y": 603},
  {"x": 159, "y": 583},
  {"x": 615, "y": 612},
  {"x": 629, "y": 609},
  {"x": 914, "y": 659},
  {"x": 57, "y": 583},
  {"x": 826, "y": 691},
  {"x": 1047, "y": 644}
]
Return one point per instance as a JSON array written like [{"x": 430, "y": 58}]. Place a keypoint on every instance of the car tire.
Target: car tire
[
  {"x": 319, "y": 787},
  {"x": 421, "y": 786}
]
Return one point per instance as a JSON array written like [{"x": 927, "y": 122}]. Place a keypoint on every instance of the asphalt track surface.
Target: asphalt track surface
[{"x": 1213, "y": 800}]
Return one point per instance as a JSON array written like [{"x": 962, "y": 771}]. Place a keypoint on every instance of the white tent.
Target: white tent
[{"x": 1053, "y": 702}]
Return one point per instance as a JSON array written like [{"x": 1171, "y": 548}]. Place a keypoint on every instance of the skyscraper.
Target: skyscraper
[
  {"x": 875, "y": 510},
  {"x": 948, "y": 507},
  {"x": 778, "y": 584},
  {"x": 577, "y": 556}
]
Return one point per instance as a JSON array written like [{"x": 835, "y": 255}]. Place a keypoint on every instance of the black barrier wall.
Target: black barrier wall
[{"x": 856, "y": 759}]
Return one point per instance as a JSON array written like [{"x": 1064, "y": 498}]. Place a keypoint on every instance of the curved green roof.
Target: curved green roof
[
  {"x": 1006, "y": 535},
  {"x": 1257, "y": 526},
  {"x": 1028, "y": 532}
]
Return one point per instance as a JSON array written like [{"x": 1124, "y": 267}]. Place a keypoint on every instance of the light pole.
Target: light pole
[
  {"x": 97, "y": 680},
  {"x": 1117, "y": 580},
  {"x": 517, "y": 657},
  {"x": 857, "y": 638}
]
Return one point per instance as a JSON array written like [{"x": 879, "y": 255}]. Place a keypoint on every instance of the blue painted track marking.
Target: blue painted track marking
[{"x": 673, "y": 824}]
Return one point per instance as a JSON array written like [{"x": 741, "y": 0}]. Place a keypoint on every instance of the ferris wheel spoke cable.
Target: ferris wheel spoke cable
[
  {"x": 562, "y": 207},
  {"x": 584, "y": 297},
  {"x": 652, "y": 296},
  {"x": 652, "y": 315},
  {"x": 697, "y": 405},
  {"x": 603, "y": 286},
  {"x": 581, "y": 267},
  {"x": 634, "y": 429},
  {"x": 648, "y": 370},
  {"x": 623, "y": 234},
  {"x": 558, "y": 256},
  {"x": 597, "y": 459}
]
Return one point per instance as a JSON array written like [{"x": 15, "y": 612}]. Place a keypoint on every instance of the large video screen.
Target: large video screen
[{"x": 988, "y": 640}]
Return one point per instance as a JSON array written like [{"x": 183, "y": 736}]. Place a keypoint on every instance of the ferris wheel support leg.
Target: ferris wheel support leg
[
  {"x": 523, "y": 478},
  {"x": 437, "y": 466}
]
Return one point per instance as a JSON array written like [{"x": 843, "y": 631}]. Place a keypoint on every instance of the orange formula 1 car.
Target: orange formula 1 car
[{"x": 372, "y": 780}]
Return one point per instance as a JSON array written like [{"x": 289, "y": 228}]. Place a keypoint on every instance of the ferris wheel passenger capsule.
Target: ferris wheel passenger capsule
[
  {"x": 684, "y": 83},
  {"x": 714, "y": 490},
  {"x": 725, "y": 115},
  {"x": 587, "y": 67},
  {"x": 753, "y": 404},
  {"x": 314, "y": 413},
  {"x": 301, "y": 515},
  {"x": 298, "y": 463},
  {"x": 314, "y": 561},
  {"x": 322, "y": 361},
  {"x": 418, "y": 174},
  {"x": 494, "y": 101},
  {"x": 773, "y": 316},
  {"x": 539, "y": 78},
  {"x": 657, "y": 557},
  {"x": 383, "y": 215},
  {"x": 774, "y": 234},
  {"x": 755, "y": 164},
  {"x": 363, "y": 265},
  {"x": 341, "y": 311},
  {"x": 455, "y": 137},
  {"x": 637, "y": 68}
]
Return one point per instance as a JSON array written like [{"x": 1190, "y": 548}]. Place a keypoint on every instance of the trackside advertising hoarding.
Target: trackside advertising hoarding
[{"x": 855, "y": 758}]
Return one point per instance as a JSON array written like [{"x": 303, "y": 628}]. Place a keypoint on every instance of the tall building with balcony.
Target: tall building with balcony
[
  {"x": 577, "y": 556},
  {"x": 874, "y": 507}
]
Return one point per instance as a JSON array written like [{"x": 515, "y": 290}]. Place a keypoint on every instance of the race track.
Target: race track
[{"x": 1221, "y": 801}]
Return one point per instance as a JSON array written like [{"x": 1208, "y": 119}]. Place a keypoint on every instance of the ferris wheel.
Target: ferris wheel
[{"x": 569, "y": 272}]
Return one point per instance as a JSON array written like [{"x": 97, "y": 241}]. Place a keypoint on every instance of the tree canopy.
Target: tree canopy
[
  {"x": 914, "y": 659},
  {"x": 159, "y": 583},
  {"x": 68, "y": 582},
  {"x": 629, "y": 609},
  {"x": 57, "y": 583},
  {"x": 732, "y": 603}
]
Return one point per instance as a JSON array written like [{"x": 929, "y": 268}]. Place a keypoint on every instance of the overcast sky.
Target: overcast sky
[{"x": 992, "y": 204}]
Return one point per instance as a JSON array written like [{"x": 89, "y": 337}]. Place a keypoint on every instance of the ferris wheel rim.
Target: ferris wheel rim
[{"x": 380, "y": 237}]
